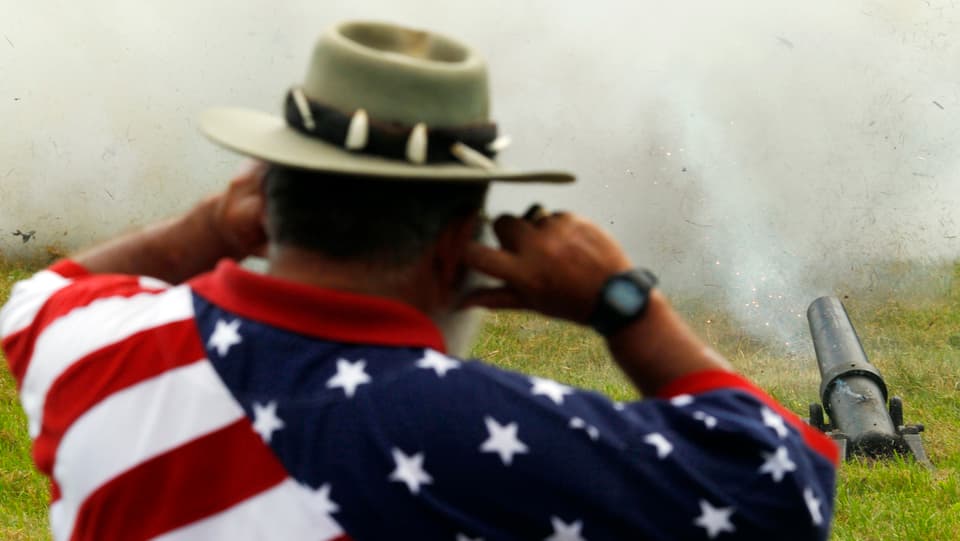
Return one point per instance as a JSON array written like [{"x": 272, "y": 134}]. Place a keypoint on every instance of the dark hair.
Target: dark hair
[{"x": 354, "y": 218}]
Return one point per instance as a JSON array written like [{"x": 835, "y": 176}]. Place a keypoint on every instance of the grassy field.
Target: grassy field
[
  {"x": 23, "y": 492},
  {"x": 915, "y": 344}
]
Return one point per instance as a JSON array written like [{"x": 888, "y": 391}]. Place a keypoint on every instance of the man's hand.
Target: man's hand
[
  {"x": 228, "y": 224},
  {"x": 556, "y": 265},
  {"x": 553, "y": 264},
  {"x": 236, "y": 214}
]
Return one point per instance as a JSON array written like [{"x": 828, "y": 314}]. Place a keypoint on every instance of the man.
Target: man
[{"x": 173, "y": 396}]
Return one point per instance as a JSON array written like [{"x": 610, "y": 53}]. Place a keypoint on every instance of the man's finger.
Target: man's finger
[
  {"x": 497, "y": 298},
  {"x": 557, "y": 219},
  {"x": 492, "y": 262},
  {"x": 534, "y": 213},
  {"x": 510, "y": 230},
  {"x": 250, "y": 179}
]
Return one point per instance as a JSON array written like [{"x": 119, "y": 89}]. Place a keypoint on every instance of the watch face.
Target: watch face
[{"x": 625, "y": 297}]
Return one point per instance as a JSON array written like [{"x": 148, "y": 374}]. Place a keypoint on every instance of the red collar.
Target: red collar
[{"x": 322, "y": 313}]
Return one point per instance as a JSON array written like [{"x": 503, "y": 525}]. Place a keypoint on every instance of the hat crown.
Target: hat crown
[{"x": 398, "y": 75}]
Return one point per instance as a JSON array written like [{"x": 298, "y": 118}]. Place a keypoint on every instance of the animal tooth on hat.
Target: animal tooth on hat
[
  {"x": 471, "y": 157},
  {"x": 304, "y": 107},
  {"x": 500, "y": 143},
  {"x": 417, "y": 144},
  {"x": 358, "y": 131}
]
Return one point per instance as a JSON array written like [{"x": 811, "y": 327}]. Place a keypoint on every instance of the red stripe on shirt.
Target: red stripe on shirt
[
  {"x": 18, "y": 348},
  {"x": 69, "y": 269},
  {"x": 712, "y": 380},
  {"x": 19, "y": 345},
  {"x": 91, "y": 379},
  {"x": 189, "y": 483}
]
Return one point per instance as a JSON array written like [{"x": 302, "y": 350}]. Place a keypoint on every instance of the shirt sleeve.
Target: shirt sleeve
[
  {"x": 49, "y": 308},
  {"x": 515, "y": 457},
  {"x": 21, "y": 317}
]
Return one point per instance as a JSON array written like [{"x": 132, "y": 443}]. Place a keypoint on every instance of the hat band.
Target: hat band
[{"x": 474, "y": 144}]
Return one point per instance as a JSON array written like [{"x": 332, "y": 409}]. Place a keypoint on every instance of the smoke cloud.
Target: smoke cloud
[{"x": 763, "y": 152}]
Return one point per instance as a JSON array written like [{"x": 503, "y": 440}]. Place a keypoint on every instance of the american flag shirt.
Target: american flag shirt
[{"x": 239, "y": 406}]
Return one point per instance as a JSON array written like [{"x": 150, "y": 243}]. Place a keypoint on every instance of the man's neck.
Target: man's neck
[{"x": 311, "y": 268}]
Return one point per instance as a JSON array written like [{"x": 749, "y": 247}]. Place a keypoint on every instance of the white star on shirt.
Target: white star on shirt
[
  {"x": 438, "y": 362},
  {"x": 265, "y": 420},
  {"x": 461, "y": 537},
  {"x": 714, "y": 520},
  {"x": 320, "y": 499},
  {"x": 774, "y": 421},
  {"x": 664, "y": 447},
  {"x": 565, "y": 532},
  {"x": 682, "y": 400},
  {"x": 225, "y": 336},
  {"x": 709, "y": 420},
  {"x": 349, "y": 376},
  {"x": 409, "y": 470},
  {"x": 813, "y": 505},
  {"x": 551, "y": 389},
  {"x": 777, "y": 464},
  {"x": 502, "y": 440},
  {"x": 579, "y": 424}
]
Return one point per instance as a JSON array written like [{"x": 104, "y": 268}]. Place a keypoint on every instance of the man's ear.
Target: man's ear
[
  {"x": 450, "y": 247},
  {"x": 264, "y": 219}
]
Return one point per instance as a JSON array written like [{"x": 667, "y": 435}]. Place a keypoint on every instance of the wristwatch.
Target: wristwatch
[{"x": 623, "y": 299}]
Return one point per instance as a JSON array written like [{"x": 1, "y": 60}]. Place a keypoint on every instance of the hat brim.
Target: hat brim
[{"x": 268, "y": 138}]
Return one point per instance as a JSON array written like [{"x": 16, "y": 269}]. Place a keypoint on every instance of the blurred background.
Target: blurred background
[{"x": 754, "y": 153}]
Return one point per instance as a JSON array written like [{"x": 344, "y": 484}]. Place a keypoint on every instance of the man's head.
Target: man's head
[
  {"x": 397, "y": 239},
  {"x": 348, "y": 219},
  {"x": 406, "y": 106}
]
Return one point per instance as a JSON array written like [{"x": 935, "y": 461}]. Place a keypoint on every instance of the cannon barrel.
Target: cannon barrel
[{"x": 852, "y": 390}]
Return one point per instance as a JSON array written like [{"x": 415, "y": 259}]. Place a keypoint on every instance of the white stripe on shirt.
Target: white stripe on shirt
[
  {"x": 26, "y": 299},
  {"x": 86, "y": 329},
  {"x": 282, "y": 512},
  {"x": 134, "y": 425}
]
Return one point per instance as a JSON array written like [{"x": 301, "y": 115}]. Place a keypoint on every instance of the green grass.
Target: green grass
[
  {"x": 914, "y": 343},
  {"x": 23, "y": 491}
]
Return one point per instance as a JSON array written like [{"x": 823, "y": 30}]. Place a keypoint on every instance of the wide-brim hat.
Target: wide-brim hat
[{"x": 384, "y": 101}]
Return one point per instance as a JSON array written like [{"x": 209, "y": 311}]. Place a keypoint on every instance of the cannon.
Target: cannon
[{"x": 854, "y": 394}]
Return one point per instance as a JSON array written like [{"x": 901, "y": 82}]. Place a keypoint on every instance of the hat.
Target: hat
[{"x": 383, "y": 101}]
